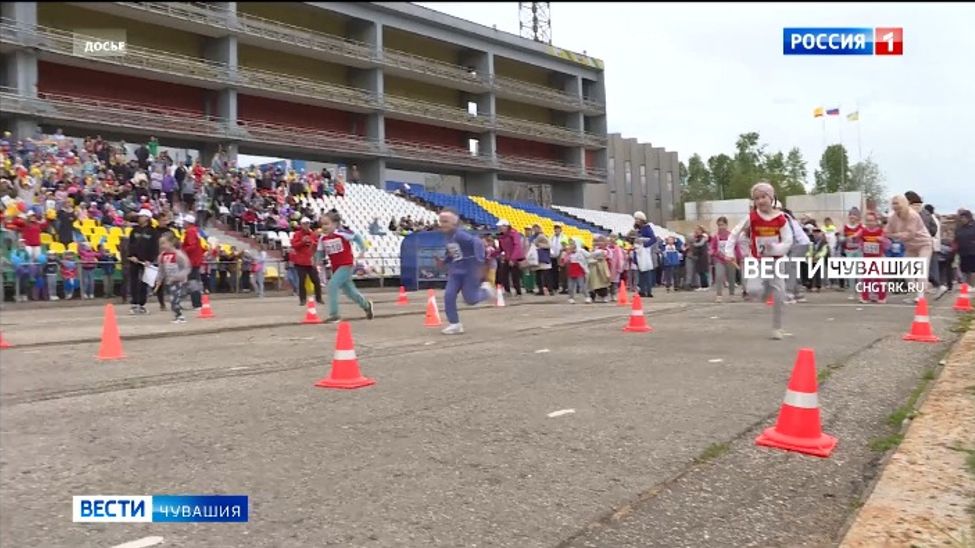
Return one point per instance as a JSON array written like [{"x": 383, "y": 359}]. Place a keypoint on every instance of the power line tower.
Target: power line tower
[{"x": 535, "y": 21}]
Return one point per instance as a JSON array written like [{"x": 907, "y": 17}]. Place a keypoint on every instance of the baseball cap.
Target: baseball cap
[
  {"x": 189, "y": 219},
  {"x": 503, "y": 222},
  {"x": 145, "y": 213},
  {"x": 305, "y": 220}
]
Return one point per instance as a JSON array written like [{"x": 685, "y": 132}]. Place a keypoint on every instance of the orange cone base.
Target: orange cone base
[
  {"x": 402, "y": 302},
  {"x": 5, "y": 344},
  {"x": 360, "y": 382},
  {"x": 312, "y": 320},
  {"x": 819, "y": 447},
  {"x": 965, "y": 306},
  {"x": 110, "y": 358},
  {"x": 921, "y": 338},
  {"x": 638, "y": 329},
  {"x": 207, "y": 316}
]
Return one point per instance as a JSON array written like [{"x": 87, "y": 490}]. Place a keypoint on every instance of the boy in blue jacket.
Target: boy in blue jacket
[{"x": 672, "y": 252}]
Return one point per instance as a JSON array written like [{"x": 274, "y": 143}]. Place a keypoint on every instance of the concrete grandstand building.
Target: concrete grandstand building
[
  {"x": 641, "y": 177},
  {"x": 376, "y": 84}
]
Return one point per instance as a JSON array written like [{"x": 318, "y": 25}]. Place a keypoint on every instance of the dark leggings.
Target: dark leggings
[{"x": 305, "y": 272}]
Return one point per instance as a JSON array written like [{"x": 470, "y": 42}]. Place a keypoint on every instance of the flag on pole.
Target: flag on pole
[
  {"x": 833, "y": 112},
  {"x": 853, "y": 116},
  {"x": 818, "y": 112}
]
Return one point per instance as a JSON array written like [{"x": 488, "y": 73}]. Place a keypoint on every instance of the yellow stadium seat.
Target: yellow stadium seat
[
  {"x": 88, "y": 223},
  {"x": 77, "y": 225},
  {"x": 225, "y": 248},
  {"x": 99, "y": 231},
  {"x": 128, "y": 230},
  {"x": 46, "y": 238},
  {"x": 115, "y": 231},
  {"x": 55, "y": 247},
  {"x": 271, "y": 273},
  {"x": 155, "y": 223},
  {"x": 520, "y": 220},
  {"x": 73, "y": 247}
]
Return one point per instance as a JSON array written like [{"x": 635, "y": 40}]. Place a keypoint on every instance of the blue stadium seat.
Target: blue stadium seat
[{"x": 464, "y": 206}]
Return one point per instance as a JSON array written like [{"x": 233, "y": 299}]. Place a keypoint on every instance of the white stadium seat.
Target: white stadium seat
[{"x": 618, "y": 223}]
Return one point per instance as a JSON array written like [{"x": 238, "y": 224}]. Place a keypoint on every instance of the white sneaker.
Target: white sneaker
[
  {"x": 453, "y": 329},
  {"x": 588, "y": 300},
  {"x": 801, "y": 299},
  {"x": 605, "y": 299},
  {"x": 864, "y": 301},
  {"x": 850, "y": 297},
  {"x": 572, "y": 301},
  {"x": 777, "y": 334},
  {"x": 941, "y": 292},
  {"x": 789, "y": 300},
  {"x": 881, "y": 301},
  {"x": 910, "y": 300},
  {"x": 492, "y": 293},
  {"x": 55, "y": 298}
]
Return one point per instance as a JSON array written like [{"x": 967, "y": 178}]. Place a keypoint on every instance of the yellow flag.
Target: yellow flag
[
  {"x": 818, "y": 112},
  {"x": 853, "y": 116}
]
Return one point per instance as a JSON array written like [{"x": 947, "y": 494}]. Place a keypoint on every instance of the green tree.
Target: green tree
[
  {"x": 773, "y": 169},
  {"x": 747, "y": 167},
  {"x": 866, "y": 177},
  {"x": 721, "y": 168},
  {"x": 699, "y": 185},
  {"x": 833, "y": 174},
  {"x": 795, "y": 173},
  {"x": 682, "y": 173}
]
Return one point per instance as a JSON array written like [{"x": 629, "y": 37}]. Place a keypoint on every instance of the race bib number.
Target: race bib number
[
  {"x": 871, "y": 248},
  {"x": 766, "y": 244},
  {"x": 454, "y": 252},
  {"x": 333, "y": 246}
]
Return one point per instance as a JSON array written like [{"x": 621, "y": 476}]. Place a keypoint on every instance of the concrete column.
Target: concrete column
[
  {"x": 208, "y": 150},
  {"x": 372, "y": 172},
  {"x": 231, "y": 8},
  {"x": 370, "y": 32},
  {"x": 20, "y": 72},
  {"x": 570, "y": 194},
  {"x": 575, "y": 156},
  {"x": 372, "y": 81},
  {"x": 24, "y": 128},
  {"x": 482, "y": 184},
  {"x": 24, "y": 14},
  {"x": 224, "y": 50}
]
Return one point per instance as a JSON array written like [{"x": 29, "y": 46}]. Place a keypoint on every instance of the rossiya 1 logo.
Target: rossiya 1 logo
[{"x": 843, "y": 41}]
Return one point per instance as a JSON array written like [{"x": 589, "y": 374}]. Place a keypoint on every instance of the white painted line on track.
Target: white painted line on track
[
  {"x": 241, "y": 368},
  {"x": 715, "y": 360},
  {"x": 543, "y": 351},
  {"x": 429, "y": 343},
  {"x": 714, "y": 317},
  {"x": 141, "y": 543},
  {"x": 561, "y": 412}
]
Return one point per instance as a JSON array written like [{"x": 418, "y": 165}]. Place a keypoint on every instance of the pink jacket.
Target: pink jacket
[
  {"x": 617, "y": 262},
  {"x": 88, "y": 258},
  {"x": 510, "y": 242},
  {"x": 911, "y": 232},
  {"x": 716, "y": 252}
]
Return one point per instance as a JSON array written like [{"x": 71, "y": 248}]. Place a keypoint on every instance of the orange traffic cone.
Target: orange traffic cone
[
  {"x": 638, "y": 323},
  {"x": 402, "y": 300},
  {"x": 205, "y": 311},
  {"x": 433, "y": 314},
  {"x": 345, "y": 365},
  {"x": 500, "y": 293},
  {"x": 4, "y": 343},
  {"x": 111, "y": 348},
  {"x": 311, "y": 314},
  {"x": 622, "y": 301},
  {"x": 798, "y": 427},
  {"x": 963, "y": 303},
  {"x": 921, "y": 327}
]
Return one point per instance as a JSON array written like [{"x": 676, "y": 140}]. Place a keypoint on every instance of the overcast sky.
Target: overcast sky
[{"x": 692, "y": 77}]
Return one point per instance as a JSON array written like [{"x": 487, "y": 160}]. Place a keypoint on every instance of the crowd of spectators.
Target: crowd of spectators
[{"x": 68, "y": 204}]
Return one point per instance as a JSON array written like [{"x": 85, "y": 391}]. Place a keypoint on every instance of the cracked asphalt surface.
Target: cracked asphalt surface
[{"x": 453, "y": 445}]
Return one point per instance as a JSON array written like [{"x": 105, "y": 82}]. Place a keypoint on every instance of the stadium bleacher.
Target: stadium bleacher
[
  {"x": 555, "y": 215},
  {"x": 468, "y": 210},
  {"x": 521, "y": 220},
  {"x": 358, "y": 207},
  {"x": 617, "y": 223}
]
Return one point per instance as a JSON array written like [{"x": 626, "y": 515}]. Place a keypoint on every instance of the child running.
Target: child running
[
  {"x": 174, "y": 270},
  {"x": 874, "y": 244},
  {"x": 465, "y": 269},
  {"x": 850, "y": 240},
  {"x": 337, "y": 244},
  {"x": 771, "y": 236}
]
